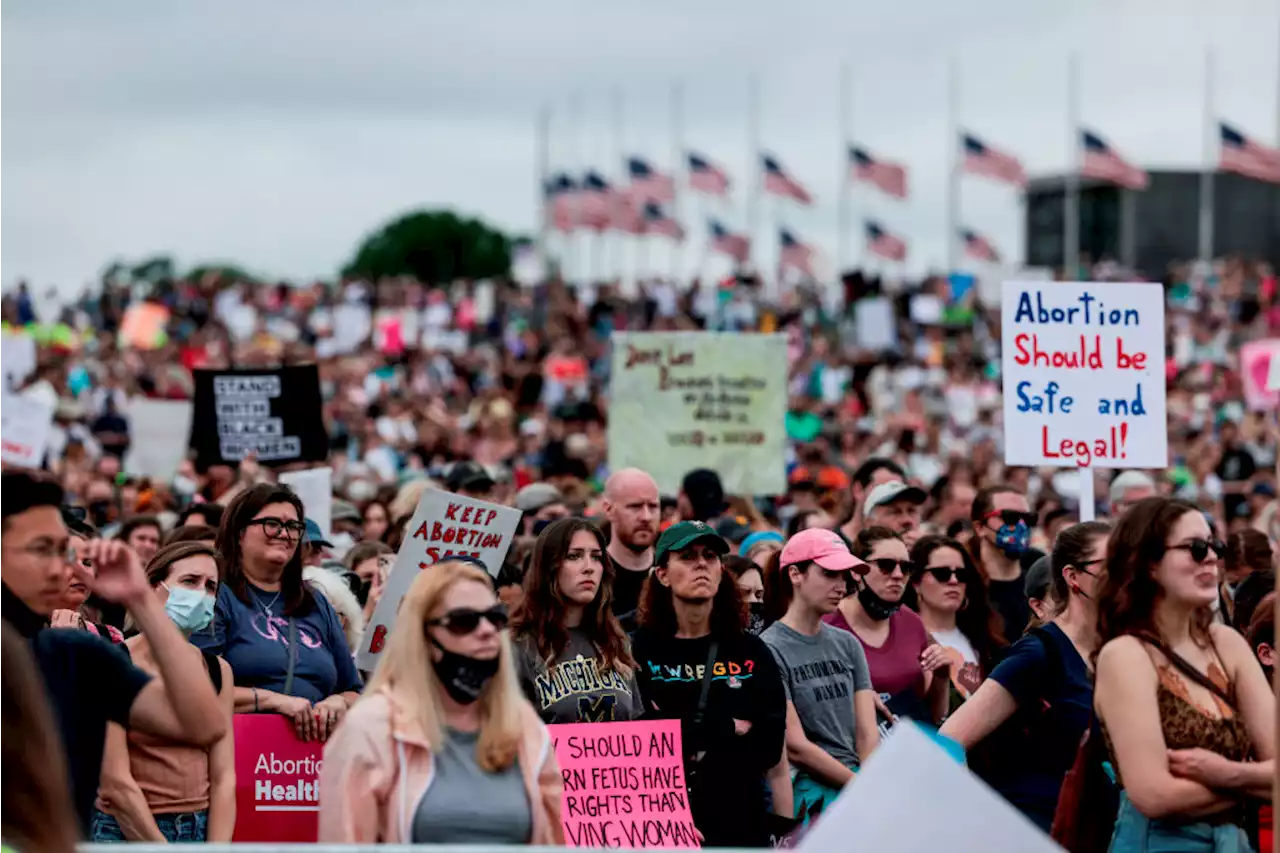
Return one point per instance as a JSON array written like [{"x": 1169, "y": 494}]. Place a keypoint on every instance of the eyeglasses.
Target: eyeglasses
[
  {"x": 1199, "y": 548},
  {"x": 888, "y": 566},
  {"x": 944, "y": 574},
  {"x": 1080, "y": 566},
  {"x": 49, "y": 551},
  {"x": 276, "y": 528},
  {"x": 1011, "y": 517},
  {"x": 464, "y": 620}
]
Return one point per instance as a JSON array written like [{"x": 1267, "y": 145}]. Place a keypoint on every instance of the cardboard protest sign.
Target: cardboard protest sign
[
  {"x": 274, "y": 413},
  {"x": 277, "y": 781},
  {"x": 158, "y": 432},
  {"x": 25, "y": 424},
  {"x": 314, "y": 487},
  {"x": 1083, "y": 369},
  {"x": 444, "y": 525},
  {"x": 686, "y": 400},
  {"x": 624, "y": 785},
  {"x": 1260, "y": 374}
]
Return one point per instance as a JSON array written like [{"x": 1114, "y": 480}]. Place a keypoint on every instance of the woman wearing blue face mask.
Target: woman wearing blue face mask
[{"x": 155, "y": 790}]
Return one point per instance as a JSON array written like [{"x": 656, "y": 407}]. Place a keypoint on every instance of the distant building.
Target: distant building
[{"x": 1149, "y": 229}]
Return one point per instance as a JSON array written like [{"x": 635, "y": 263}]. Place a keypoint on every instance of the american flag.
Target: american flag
[
  {"x": 707, "y": 177},
  {"x": 736, "y": 246},
  {"x": 884, "y": 244},
  {"x": 647, "y": 183},
  {"x": 597, "y": 202},
  {"x": 1103, "y": 163},
  {"x": 1242, "y": 155},
  {"x": 891, "y": 178},
  {"x": 562, "y": 201},
  {"x": 657, "y": 222},
  {"x": 795, "y": 254},
  {"x": 981, "y": 159},
  {"x": 778, "y": 182},
  {"x": 979, "y": 247}
]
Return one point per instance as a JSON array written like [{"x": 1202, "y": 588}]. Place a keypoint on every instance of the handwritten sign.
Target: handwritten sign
[
  {"x": 25, "y": 424},
  {"x": 273, "y": 413},
  {"x": 444, "y": 525},
  {"x": 277, "y": 781},
  {"x": 686, "y": 400},
  {"x": 1260, "y": 374},
  {"x": 624, "y": 785},
  {"x": 1083, "y": 368}
]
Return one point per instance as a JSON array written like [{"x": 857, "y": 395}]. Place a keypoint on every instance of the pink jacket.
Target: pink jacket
[{"x": 378, "y": 766}]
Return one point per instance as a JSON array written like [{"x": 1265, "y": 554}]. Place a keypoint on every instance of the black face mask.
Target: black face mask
[
  {"x": 463, "y": 677},
  {"x": 875, "y": 606},
  {"x": 755, "y": 617}
]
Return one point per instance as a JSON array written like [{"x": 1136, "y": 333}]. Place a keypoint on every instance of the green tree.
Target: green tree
[
  {"x": 225, "y": 271},
  {"x": 433, "y": 246}
]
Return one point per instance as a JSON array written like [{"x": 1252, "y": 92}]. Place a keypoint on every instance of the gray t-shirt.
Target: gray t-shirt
[
  {"x": 821, "y": 673},
  {"x": 577, "y": 688},
  {"x": 466, "y": 805}
]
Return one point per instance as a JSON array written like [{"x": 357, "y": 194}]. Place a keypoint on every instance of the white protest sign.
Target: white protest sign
[
  {"x": 158, "y": 431},
  {"x": 17, "y": 359},
  {"x": 881, "y": 806},
  {"x": 686, "y": 400},
  {"x": 1084, "y": 374},
  {"x": 314, "y": 487},
  {"x": 25, "y": 424},
  {"x": 444, "y": 525}
]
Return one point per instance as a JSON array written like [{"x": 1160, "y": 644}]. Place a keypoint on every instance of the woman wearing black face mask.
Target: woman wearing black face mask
[
  {"x": 751, "y": 584},
  {"x": 443, "y": 748},
  {"x": 908, "y": 669}
]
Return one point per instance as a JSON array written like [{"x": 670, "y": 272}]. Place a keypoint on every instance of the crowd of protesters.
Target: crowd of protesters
[{"x": 906, "y": 574}]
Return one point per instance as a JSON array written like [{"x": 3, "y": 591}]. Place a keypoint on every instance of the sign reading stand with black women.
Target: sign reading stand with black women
[{"x": 273, "y": 413}]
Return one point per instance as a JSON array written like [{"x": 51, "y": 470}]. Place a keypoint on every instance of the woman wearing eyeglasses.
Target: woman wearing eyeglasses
[
  {"x": 1043, "y": 688},
  {"x": 572, "y": 656},
  {"x": 285, "y": 645},
  {"x": 1188, "y": 714},
  {"x": 443, "y": 748},
  {"x": 951, "y": 598},
  {"x": 908, "y": 669}
]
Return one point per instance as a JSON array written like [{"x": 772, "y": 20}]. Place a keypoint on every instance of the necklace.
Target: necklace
[{"x": 266, "y": 609}]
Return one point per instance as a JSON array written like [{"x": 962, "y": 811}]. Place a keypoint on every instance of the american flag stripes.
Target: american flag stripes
[
  {"x": 1103, "y": 163},
  {"x": 706, "y": 177},
  {"x": 647, "y": 183},
  {"x": 982, "y": 159},
  {"x": 1242, "y": 155},
  {"x": 890, "y": 178},
  {"x": 736, "y": 246},
  {"x": 657, "y": 222},
  {"x": 597, "y": 202},
  {"x": 562, "y": 201},
  {"x": 979, "y": 247},
  {"x": 795, "y": 254},
  {"x": 884, "y": 244},
  {"x": 778, "y": 182}
]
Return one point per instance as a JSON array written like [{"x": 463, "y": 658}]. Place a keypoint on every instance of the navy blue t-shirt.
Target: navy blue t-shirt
[
  {"x": 254, "y": 640},
  {"x": 1054, "y": 692}
]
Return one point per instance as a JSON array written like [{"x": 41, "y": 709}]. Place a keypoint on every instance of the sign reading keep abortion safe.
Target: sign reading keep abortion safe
[{"x": 1083, "y": 366}]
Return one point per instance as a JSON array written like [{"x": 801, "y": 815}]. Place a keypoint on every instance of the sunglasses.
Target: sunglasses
[
  {"x": 888, "y": 566},
  {"x": 944, "y": 574},
  {"x": 1199, "y": 548},
  {"x": 464, "y": 620},
  {"x": 1011, "y": 517},
  {"x": 275, "y": 528}
]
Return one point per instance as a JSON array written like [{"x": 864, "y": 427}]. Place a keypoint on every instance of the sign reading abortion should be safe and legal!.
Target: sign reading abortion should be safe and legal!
[
  {"x": 444, "y": 525},
  {"x": 1084, "y": 374},
  {"x": 624, "y": 785},
  {"x": 277, "y": 781},
  {"x": 686, "y": 400}
]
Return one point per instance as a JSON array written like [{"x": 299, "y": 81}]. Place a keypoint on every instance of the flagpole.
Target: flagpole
[
  {"x": 843, "y": 176},
  {"x": 753, "y": 161},
  {"x": 953, "y": 149},
  {"x": 1071, "y": 198},
  {"x": 617, "y": 105},
  {"x": 1209, "y": 166},
  {"x": 575, "y": 259},
  {"x": 542, "y": 156},
  {"x": 677, "y": 175}
]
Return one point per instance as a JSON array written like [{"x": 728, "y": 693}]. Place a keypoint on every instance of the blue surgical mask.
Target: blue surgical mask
[
  {"x": 190, "y": 609},
  {"x": 1013, "y": 539}
]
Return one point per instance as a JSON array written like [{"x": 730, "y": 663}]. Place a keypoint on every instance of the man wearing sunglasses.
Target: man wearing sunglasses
[{"x": 1002, "y": 525}]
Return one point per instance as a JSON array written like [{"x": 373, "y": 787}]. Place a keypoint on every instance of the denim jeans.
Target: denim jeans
[
  {"x": 1136, "y": 833},
  {"x": 177, "y": 828}
]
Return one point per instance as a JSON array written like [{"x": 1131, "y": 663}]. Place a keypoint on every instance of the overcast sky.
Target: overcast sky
[{"x": 276, "y": 134}]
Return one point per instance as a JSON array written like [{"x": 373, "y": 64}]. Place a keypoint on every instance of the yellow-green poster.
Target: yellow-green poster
[{"x": 685, "y": 400}]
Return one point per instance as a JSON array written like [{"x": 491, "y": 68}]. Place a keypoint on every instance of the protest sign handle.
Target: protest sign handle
[{"x": 1088, "y": 509}]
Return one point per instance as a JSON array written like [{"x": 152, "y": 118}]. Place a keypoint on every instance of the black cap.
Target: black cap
[
  {"x": 468, "y": 475},
  {"x": 705, "y": 492}
]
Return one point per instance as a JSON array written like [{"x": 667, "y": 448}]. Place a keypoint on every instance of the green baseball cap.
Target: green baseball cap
[{"x": 679, "y": 536}]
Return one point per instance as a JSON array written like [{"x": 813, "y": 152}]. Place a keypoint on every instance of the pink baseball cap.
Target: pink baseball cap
[{"x": 822, "y": 546}]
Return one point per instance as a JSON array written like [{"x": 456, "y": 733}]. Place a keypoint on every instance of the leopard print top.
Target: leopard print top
[{"x": 1187, "y": 724}]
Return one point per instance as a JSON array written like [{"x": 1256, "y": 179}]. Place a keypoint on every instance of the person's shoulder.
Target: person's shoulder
[
  {"x": 1124, "y": 652},
  {"x": 1229, "y": 642},
  {"x": 751, "y": 644},
  {"x": 842, "y": 639},
  {"x": 773, "y": 635},
  {"x": 907, "y": 619}
]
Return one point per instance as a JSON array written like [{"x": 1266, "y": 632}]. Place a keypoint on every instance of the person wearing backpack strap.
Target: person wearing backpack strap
[
  {"x": 1187, "y": 711},
  {"x": 1022, "y": 727}
]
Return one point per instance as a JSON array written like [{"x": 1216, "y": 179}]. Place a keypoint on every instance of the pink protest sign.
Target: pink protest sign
[
  {"x": 624, "y": 785},
  {"x": 277, "y": 781},
  {"x": 1260, "y": 374}
]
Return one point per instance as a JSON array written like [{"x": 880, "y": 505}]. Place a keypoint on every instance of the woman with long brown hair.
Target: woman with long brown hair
[
  {"x": 573, "y": 659},
  {"x": 443, "y": 748},
  {"x": 1188, "y": 713}
]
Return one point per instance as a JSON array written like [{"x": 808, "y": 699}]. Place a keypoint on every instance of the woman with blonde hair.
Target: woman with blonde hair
[{"x": 442, "y": 748}]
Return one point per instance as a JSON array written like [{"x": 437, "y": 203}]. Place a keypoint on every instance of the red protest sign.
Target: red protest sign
[
  {"x": 277, "y": 781},
  {"x": 1260, "y": 374}
]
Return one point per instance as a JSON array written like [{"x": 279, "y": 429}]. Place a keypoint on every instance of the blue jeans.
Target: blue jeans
[
  {"x": 177, "y": 828},
  {"x": 1137, "y": 833}
]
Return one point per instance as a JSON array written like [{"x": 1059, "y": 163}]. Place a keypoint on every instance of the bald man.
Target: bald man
[{"x": 632, "y": 506}]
